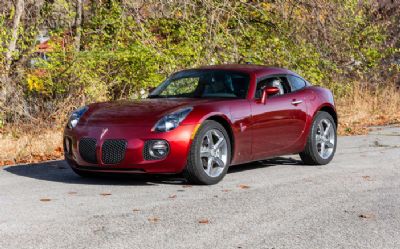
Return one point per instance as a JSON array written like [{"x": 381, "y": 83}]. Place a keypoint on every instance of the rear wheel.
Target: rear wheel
[
  {"x": 209, "y": 155},
  {"x": 321, "y": 142}
]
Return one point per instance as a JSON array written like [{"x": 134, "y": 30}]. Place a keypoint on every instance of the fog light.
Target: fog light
[
  {"x": 159, "y": 149},
  {"x": 156, "y": 149}
]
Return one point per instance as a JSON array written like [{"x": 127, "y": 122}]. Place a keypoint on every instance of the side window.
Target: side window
[
  {"x": 279, "y": 82},
  {"x": 296, "y": 83}
]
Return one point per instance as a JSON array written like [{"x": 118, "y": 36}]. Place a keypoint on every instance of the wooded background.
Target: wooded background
[{"x": 56, "y": 55}]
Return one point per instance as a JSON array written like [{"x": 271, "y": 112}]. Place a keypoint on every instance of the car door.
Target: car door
[{"x": 278, "y": 124}]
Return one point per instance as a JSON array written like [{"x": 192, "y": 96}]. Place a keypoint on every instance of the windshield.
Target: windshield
[{"x": 203, "y": 84}]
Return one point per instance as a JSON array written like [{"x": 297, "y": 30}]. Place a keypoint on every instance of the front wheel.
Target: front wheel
[
  {"x": 209, "y": 155},
  {"x": 321, "y": 142}
]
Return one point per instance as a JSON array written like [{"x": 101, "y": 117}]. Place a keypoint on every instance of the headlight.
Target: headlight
[
  {"x": 173, "y": 120},
  {"x": 75, "y": 116}
]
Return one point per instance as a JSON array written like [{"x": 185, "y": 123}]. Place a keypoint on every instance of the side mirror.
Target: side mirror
[
  {"x": 268, "y": 91},
  {"x": 150, "y": 89}
]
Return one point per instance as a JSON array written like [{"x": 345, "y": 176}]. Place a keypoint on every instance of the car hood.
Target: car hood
[{"x": 136, "y": 112}]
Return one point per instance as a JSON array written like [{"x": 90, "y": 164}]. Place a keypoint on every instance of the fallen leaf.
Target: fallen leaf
[
  {"x": 58, "y": 149},
  {"x": 172, "y": 196},
  {"x": 8, "y": 162},
  {"x": 243, "y": 186},
  {"x": 135, "y": 210},
  {"x": 45, "y": 199},
  {"x": 72, "y": 193},
  {"x": 203, "y": 221},
  {"x": 105, "y": 194},
  {"x": 181, "y": 190},
  {"x": 153, "y": 219},
  {"x": 367, "y": 216},
  {"x": 226, "y": 190},
  {"x": 367, "y": 178}
]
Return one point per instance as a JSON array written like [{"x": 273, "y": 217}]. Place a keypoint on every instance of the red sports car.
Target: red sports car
[{"x": 201, "y": 121}]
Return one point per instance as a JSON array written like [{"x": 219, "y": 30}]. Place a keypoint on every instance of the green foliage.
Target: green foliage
[{"x": 125, "y": 49}]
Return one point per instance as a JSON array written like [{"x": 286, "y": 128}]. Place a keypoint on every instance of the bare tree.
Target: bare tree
[
  {"x": 78, "y": 24},
  {"x": 19, "y": 9},
  {"x": 10, "y": 94}
]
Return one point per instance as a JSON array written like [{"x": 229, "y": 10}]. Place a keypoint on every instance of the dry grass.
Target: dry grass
[
  {"x": 357, "y": 111},
  {"x": 29, "y": 145},
  {"x": 364, "y": 107}
]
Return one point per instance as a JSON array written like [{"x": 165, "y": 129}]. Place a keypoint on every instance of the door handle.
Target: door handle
[{"x": 296, "y": 102}]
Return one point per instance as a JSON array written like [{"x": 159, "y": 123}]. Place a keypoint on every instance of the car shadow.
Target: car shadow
[
  {"x": 59, "y": 171},
  {"x": 276, "y": 161}
]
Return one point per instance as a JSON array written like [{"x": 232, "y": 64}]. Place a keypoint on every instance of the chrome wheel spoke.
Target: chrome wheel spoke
[
  {"x": 219, "y": 162},
  {"x": 209, "y": 165},
  {"x": 205, "y": 153},
  {"x": 329, "y": 144},
  {"x": 322, "y": 149},
  {"x": 218, "y": 144},
  {"x": 327, "y": 129},
  {"x": 320, "y": 129},
  {"x": 208, "y": 139}
]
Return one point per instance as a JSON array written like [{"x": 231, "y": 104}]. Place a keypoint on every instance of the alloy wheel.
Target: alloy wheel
[
  {"x": 325, "y": 138},
  {"x": 214, "y": 153}
]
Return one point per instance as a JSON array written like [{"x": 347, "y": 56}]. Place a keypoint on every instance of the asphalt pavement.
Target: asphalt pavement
[{"x": 354, "y": 202}]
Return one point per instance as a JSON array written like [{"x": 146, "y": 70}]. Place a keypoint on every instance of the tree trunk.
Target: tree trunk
[
  {"x": 19, "y": 9},
  {"x": 10, "y": 101},
  {"x": 78, "y": 24}
]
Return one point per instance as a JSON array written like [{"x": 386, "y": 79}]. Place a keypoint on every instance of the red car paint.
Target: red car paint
[{"x": 257, "y": 130}]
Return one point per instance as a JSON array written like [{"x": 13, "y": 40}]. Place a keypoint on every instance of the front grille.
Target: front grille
[
  {"x": 87, "y": 149},
  {"x": 113, "y": 151}
]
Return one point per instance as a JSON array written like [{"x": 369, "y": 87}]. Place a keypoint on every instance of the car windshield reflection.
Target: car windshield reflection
[{"x": 204, "y": 84}]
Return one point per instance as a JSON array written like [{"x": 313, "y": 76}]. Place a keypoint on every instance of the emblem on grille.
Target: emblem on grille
[{"x": 103, "y": 132}]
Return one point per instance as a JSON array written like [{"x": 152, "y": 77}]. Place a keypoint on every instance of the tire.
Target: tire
[
  {"x": 320, "y": 150},
  {"x": 208, "y": 162}
]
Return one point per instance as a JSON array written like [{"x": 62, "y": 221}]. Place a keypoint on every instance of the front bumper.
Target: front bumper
[{"x": 179, "y": 140}]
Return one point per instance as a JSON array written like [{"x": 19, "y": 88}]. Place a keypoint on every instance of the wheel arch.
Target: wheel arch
[{"x": 331, "y": 110}]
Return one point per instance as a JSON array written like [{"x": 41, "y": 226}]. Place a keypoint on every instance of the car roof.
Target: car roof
[{"x": 250, "y": 68}]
